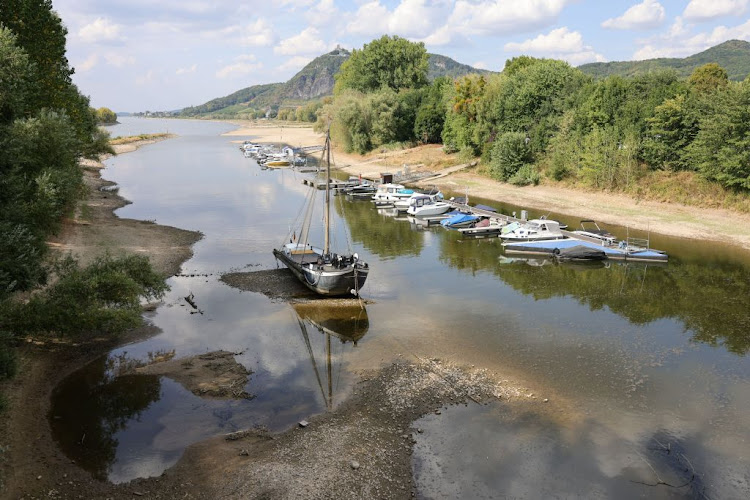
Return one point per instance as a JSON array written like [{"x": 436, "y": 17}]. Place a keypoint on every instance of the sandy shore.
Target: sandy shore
[{"x": 610, "y": 208}]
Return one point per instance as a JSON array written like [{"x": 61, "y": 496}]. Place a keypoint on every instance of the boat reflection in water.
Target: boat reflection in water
[{"x": 344, "y": 320}]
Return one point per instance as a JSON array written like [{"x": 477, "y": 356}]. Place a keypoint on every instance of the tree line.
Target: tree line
[
  {"x": 543, "y": 118},
  {"x": 46, "y": 128}
]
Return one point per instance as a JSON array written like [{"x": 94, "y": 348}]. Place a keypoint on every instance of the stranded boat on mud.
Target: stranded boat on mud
[{"x": 322, "y": 271}]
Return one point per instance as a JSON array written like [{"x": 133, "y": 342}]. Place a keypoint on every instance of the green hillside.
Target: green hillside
[
  {"x": 445, "y": 66},
  {"x": 255, "y": 96},
  {"x": 312, "y": 82},
  {"x": 733, "y": 56}
]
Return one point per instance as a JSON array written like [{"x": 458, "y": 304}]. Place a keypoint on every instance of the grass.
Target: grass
[{"x": 688, "y": 188}]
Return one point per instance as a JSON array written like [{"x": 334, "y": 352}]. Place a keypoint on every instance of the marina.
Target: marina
[{"x": 628, "y": 354}]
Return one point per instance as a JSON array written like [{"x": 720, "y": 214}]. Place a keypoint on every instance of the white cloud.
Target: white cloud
[
  {"x": 101, "y": 30},
  {"x": 371, "y": 19},
  {"x": 705, "y": 10},
  {"x": 480, "y": 65},
  {"x": 146, "y": 78},
  {"x": 502, "y": 17},
  {"x": 645, "y": 15},
  {"x": 560, "y": 43},
  {"x": 245, "y": 64},
  {"x": 307, "y": 42},
  {"x": 325, "y": 13},
  {"x": 89, "y": 63},
  {"x": 259, "y": 34},
  {"x": 184, "y": 71},
  {"x": 295, "y": 63},
  {"x": 418, "y": 18},
  {"x": 678, "y": 42},
  {"x": 119, "y": 60}
]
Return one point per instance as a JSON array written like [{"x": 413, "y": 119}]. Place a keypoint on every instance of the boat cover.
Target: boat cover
[
  {"x": 458, "y": 219},
  {"x": 579, "y": 252}
]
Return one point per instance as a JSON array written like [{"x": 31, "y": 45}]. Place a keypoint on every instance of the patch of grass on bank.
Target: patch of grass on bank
[
  {"x": 689, "y": 188},
  {"x": 135, "y": 138},
  {"x": 685, "y": 188}
]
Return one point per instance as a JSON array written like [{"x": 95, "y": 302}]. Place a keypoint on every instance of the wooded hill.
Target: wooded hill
[
  {"x": 312, "y": 82},
  {"x": 733, "y": 56}
]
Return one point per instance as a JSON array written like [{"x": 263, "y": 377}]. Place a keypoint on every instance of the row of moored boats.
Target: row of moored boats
[{"x": 540, "y": 236}]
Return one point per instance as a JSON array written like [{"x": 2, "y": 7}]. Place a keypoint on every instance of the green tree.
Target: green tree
[
  {"x": 391, "y": 62},
  {"x": 105, "y": 116},
  {"x": 510, "y": 152},
  {"x": 708, "y": 78},
  {"x": 15, "y": 77},
  {"x": 721, "y": 149},
  {"x": 430, "y": 117},
  {"x": 671, "y": 130}
]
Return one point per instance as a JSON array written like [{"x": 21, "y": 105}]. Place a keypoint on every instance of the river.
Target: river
[{"x": 645, "y": 366}]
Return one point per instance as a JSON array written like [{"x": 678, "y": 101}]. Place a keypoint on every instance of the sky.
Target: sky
[{"x": 158, "y": 55}]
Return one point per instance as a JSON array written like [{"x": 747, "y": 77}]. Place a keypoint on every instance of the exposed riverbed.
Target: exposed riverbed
[{"x": 635, "y": 361}]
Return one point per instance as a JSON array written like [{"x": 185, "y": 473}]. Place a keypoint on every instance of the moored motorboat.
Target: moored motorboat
[
  {"x": 427, "y": 206},
  {"x": 534, "y": 230}
]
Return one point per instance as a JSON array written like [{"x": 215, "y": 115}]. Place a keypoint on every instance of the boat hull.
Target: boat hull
[{"x": 326, "y": 280}]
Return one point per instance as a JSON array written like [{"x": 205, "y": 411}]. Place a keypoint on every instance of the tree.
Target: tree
[
  {"x": 41, "y": 34},
  {"x": 391, "y": 62},
  {"x": 510, "y": 152},
  {"x": 708, "y": 78},
  {"x": 105, "y": 116},
  {"x": 15, "y": 77},
  {"x": 721, "y": 149},
  {"x": 430, "y": 117}
]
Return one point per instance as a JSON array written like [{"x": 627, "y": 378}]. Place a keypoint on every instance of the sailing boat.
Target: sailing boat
[{"x": 321, "y": 270}]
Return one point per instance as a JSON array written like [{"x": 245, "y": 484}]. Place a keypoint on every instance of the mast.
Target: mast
[{"x": 327, "y": 247}]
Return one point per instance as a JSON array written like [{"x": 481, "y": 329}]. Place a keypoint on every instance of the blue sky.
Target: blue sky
[{"x": 137, "y": 55}]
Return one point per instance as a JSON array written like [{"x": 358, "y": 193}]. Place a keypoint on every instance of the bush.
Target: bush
[
  {"x": 509, "y": 153},
  {"x": 103, "y": 297},
  {"x": 526, "y": 175}
]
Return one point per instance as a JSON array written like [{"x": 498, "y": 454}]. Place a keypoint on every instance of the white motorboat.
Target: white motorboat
[
  {"x": 427, "y": 206},
  {"x": 533, "y": 230},
  {"x": 391, "y": 193}
]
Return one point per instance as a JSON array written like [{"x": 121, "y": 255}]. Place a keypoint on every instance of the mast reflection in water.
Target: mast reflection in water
[{"x": 331, "y": 318}]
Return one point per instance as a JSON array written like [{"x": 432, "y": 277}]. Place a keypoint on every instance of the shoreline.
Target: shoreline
[
  {"x": 669, "y": 219},
  {"x": 31, "y": 463},
  {"x": 372, "y": 427}
]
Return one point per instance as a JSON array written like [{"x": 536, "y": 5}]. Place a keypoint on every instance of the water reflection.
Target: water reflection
[
  {"x": 377, "y": 231},
  {"x": 92, "y": 406},
  {"x": 344, "y": 322},
  {"x": 494, "y": 452},
  {"x": 710, "y": 300}
]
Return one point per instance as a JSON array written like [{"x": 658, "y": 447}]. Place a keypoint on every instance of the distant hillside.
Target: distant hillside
[
  {"x": 312, "y": 82},
  {"x": 445, "y": 66},
  {"x": 255, "y": 96},
  {"x": 316, "y": 79},
  {"x": 733, "y": 56}
]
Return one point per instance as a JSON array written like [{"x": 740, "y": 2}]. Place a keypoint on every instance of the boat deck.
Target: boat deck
[{"x": 547, "y": 247}]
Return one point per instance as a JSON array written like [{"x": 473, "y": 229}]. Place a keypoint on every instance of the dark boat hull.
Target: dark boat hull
[{"x": 326, "y": 280}]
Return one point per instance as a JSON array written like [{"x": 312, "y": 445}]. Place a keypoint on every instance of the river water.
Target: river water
[{"x": 645, "y": 366}]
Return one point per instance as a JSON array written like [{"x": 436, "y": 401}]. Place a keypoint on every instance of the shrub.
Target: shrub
[
  {"x": 103, "y": 297},
  {"x": 509, "y": 153}
]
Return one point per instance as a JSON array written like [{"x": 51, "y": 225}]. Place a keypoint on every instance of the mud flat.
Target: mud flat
[
  {"x": 214, "y": 375},
  {"x": 31, "y": 465}
]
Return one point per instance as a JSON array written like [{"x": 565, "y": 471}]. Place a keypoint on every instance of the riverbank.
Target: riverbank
[
  {"x": 671, "y": 219},
  {"x": 362, "y": 448},
  {"x": 31, "y": 464}
]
